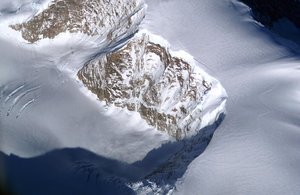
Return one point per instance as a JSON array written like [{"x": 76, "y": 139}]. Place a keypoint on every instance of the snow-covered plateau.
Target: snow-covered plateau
[{"x": 71, "y": 120}]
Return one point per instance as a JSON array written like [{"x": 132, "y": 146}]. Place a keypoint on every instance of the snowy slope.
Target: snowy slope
[{"x": 254, "y": 151}]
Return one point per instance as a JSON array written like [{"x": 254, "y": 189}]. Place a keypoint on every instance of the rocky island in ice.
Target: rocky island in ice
[
  {"x": 93, "y": 18},
  {"x": 167, "y": 88}
]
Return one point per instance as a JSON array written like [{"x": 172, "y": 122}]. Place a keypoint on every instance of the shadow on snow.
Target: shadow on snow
[{"x": 78, "y": 171}]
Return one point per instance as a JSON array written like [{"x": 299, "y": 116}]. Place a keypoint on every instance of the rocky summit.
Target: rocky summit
[
  {"x": 145, "y": 76},
  {"x": 93, "y": 17}
]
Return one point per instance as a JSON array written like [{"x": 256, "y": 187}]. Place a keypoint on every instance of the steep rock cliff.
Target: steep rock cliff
[
  {"x": 94, "y": 18},
  {"x": 144, "y": 76}
]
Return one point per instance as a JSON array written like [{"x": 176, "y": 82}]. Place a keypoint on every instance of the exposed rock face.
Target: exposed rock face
[
  {"x": 91, "y": 17},
  {"x": 144, "y": 76},
  {"x": 269, "y": 11}
]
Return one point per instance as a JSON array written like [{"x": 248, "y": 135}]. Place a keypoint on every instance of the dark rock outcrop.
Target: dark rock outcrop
[
  {"x": 144, "y": 76},
  {"x": 92, "y": 17}
]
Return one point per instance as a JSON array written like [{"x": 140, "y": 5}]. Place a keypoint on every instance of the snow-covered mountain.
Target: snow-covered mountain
[
  {"x": 167, "y": 88},
  {"x": 94, "y": 18}
]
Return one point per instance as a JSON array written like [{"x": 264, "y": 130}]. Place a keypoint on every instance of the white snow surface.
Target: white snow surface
[{"x": 255, "y": 150}]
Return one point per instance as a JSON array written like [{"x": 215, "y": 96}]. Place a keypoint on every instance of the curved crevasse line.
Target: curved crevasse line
[
  {"x": 24, "y": 107},
  {"x": 19, "y": 97},
  {"x": 13, "y": 93}
]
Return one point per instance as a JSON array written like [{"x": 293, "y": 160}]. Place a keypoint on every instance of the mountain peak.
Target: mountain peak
[
  {"x": 167, "y": 90},
  {"x": 94, "y": 17}
]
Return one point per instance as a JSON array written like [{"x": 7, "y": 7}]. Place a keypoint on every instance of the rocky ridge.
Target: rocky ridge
[
  {"x": 93, "y": 18},
  {"x": 146, "y": 77}
]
